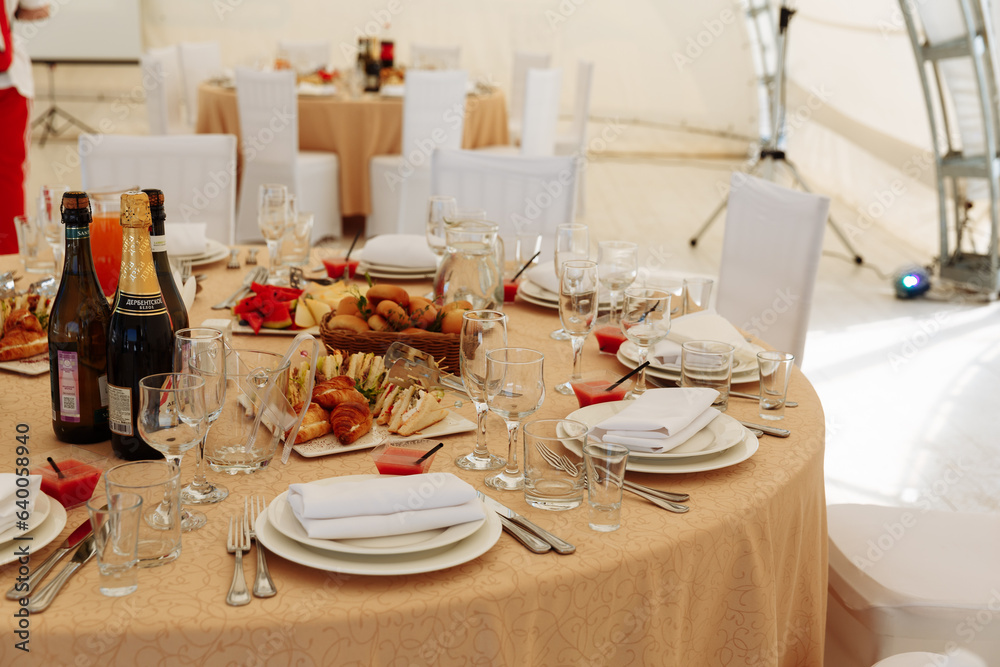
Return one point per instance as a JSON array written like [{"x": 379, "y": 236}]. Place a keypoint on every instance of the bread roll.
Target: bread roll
[
  {"x": 350, "y": 322},
  {"x": 378, "y": 323},
  {"x": 395, "y": 293},
  {"x": 394, "y": 314}
]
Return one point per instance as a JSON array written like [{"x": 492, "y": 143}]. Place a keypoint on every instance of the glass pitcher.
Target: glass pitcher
[
  {"x": 469, "y": 270},
  {"x": 106, "y": 236}
]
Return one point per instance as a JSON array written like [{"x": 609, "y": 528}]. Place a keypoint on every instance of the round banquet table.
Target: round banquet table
[
  {"x": 355, "y": 129},
  {"x": 739, "y": 580}
]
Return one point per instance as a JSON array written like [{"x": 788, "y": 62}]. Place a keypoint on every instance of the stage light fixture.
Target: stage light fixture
[{"x": 911, "y": 281}]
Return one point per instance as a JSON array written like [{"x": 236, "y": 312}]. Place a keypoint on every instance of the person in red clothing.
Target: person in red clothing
[{"x": 17, "y": 88}]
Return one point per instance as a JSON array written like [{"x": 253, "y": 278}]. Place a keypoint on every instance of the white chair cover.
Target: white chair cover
[
  {"x": 269, "y": 128},
  {"x": 541, "y": 112},
  {"x": 770, "y": 255},
  {"x": 433, "y": 117},
  {"x": 200, "y": 61},
  {"x": 306, "y": 56},
  {"x": 523, "y": 61},
  {"x": 575, "y": 141},
  {"x": 516, "y": 192},
  {"x": 423, "y": 56},
  {"x": 197, "y": 174},
  {"x": 164, "y": 86},
  {"x": 922, "y": 659}
]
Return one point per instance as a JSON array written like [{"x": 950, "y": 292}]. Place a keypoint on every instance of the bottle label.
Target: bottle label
[
  {"x": 78, "y": 232},
  {"x": 120, "y": 409},
  {"x": 140, "y": 304},
  {"x": 69, "y": 386},
  {"x": 158, "y": 243}
]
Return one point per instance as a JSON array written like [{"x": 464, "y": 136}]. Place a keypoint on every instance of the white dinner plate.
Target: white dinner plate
[
  {"x": 535, "y": 291},
  {"x": 43, "y": 505},
  {"x": 537, "y": 302},
  {"x": 626, "y": 355},
  {"x": 283, "y": 520},
  {"x": 328, "y": 444},
  {"x": 40, "y": 536},
  {"x": 462, "y": 551},
  {"x": 394, "y": 272},
  {"x": 214, "y": 251},
  {"x": 35, "y": 365},
  {"x": 718, "y": 435}
]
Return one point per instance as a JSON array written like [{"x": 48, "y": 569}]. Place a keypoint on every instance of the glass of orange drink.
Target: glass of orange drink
[{"x": 106, "y": 236}]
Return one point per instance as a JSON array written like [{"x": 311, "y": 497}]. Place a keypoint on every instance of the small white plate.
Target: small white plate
[
  {"x": 35, "y": 365},
  {"x": 463, "y": 551},
  {"x": 751, "y": 375},
  {"x": 536, "y": 302},
  {"x": 539, "y": 293},
  {"x": 283, "y": 520},
  {"x": 264, "y": 331},
  {"x": 214, "y": 251},
  {"x": 40, "y": 537},
  {"x": 43, "y": 505},
  {"x": 328, "y": 444}
]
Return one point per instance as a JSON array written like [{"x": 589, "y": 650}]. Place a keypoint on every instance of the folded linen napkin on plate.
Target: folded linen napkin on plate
[
  {"x": 703, "y": 325},
  {"x": 384, "y": 505},
  {"x": 406, "y": 251},
  {"x": 186, "y": 238},
  {"x": 660, "y": 419},
  {"x": 9, "y": 498}
]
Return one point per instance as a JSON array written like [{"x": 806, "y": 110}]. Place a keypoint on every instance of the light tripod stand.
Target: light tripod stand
[{"x": 771, "y": 154}]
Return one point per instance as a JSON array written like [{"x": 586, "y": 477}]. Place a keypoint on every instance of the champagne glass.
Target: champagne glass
[
  {"x": 618, "y": 264},
  {"x": 482, "y": 331},
  {"x": 273, "y": 215},
  {"x": 645, "y": 322},
  {"x": 572, "y": 242},
  {"x": 202, "y": 351},
  {"x": 172, "y": 421},
  {"x": 439, "y": 209},
  {"x": 50, "y": 217},
  {"x": 515, "y": 389},
  {"x": 577, "y": 311}
]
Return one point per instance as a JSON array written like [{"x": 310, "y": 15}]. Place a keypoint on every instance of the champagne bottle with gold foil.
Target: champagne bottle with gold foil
[
  {"x": 78, "y": 336},
  {"x": 140, "y": 338},
  {"x": 164, "y": 274}
]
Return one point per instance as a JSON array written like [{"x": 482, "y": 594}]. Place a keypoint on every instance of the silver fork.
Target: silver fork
[
  {"x": 236, "y": 544},
  {"x": 263, "y": 585},
  {"x": 234, "y": 259}
]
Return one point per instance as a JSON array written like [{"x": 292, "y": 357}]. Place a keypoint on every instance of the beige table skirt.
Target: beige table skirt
[
  {"x": 356, "y": 130},
  {"x": 739, "y": 580}
]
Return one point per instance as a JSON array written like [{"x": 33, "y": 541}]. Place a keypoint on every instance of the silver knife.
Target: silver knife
[
  {"x": 23, "y": 588},
  {"x": 528, "y": 539},
  {"x": 559, "y": 545},
  {"x": 251, "y": 276},
  {"x": 41, "y": 600},
  {"x": 756, "y": 397},
  {"x": 768, "y": 430}
]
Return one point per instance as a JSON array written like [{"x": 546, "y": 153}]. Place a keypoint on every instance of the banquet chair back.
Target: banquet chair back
[
  {"x": 770, "y": 256},
  {"x": 575, "y": 141},
  {"x": 305, "y": 57},
  {"x": 200, "y": 61},
  {"x": 423, "y": 56},
  {"x": 197, "y": 174},
  {"x": 164, "y": 88},
  {"x": 269, "y": 129},
  {"x": 541, "y": 112},
  {"x": 517, "y": 192},
  {"x": 433, "y": 117},
  {"x": 523, "y": 61}
]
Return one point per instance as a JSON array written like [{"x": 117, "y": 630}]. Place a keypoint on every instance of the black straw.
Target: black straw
[
  {"x": 628, "y": 375},
  {"x": 516, "y": 275},
  {"x": 434, "y": 449},
  {"x": 353, "y": 243},
  {"x": 55, "y": 467}
]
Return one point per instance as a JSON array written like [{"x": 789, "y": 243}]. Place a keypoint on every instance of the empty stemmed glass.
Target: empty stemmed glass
[
  {"x": 572, "y": 242},
  {"x": 618, "y": 264},
  {"x": 273, "y": 214},
  {"x": 645, "y": 322},
  {"x": 577, "y": 311},
  {"x": 515, "y": 389},
  {"x": 482, "y": 331},
  {"x": 202, "y": 351},
  {"x": 172, "y": 421},
  {"x": 439, "y": 209},
  {"x": 50, "y": 218}
]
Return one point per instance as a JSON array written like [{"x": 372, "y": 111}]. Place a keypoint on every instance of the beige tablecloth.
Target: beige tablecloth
[
  {"x": 355, "y": 130},
  {"x": 739, "y": 580}
]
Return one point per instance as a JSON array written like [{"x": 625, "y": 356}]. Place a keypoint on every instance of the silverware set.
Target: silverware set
[
  {"x": 258, "y": 274},
  {"x": 241, "y": 535}
]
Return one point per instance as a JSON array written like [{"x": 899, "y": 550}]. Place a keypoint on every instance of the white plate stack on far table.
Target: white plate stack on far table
[
  {"x": 541, "y": 287},
  {"x": 397, "y": 257}
]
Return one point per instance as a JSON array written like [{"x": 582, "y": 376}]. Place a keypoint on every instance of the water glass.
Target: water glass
[
  {"x": 775, "y": 371},
  {"x": 158, "y": 482},
  {"x": 605, "y": 465},
  {"x": 698, "y": 292},
  {"x": 116, "y": 536},
  {"x": 577, "y": 311},
  {"x": 272, "y": 217},
  {"x": 553, "y": 464},
  {"x": 31, "y": 245},
  {"x": 572, "y": 243},
  {"x": 617, "y": 264},
  {"x": 439, "y": 209},
  {"x": 678, "y": 295},
  {"x": 297, "y": 241},
  {"x": 482, "y": 331},
  {"x": 515, "y": 389},
  {"x": 645, "y": 322},
  {"x": 707, "y": 363},
  {"x": 50, "y": 219}
]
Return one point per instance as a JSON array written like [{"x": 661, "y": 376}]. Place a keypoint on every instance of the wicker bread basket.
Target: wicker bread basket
[{"x": 444, "y": 347}]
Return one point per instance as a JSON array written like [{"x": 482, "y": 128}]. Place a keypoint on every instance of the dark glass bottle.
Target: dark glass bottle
[
  {"x": 158, "y": 242},
  {"x": 78, "y": 336},
  {"x": 140, "y": 340}
]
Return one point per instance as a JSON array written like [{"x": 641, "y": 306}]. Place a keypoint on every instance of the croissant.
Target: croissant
[
  {"x": 331, "y": 393},
  {"x": 350, "y": 421},
  {"x": 315, "y": 423}
]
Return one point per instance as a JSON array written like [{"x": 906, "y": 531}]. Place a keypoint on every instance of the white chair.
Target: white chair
[
  {"x": 517, "y": 193},
  {"x": 305, "y": 57},
  {"x": 164, "y": 87},
  {"x": 523, "y": 61},
  {"x": 269, "y": 130},
  {"x": 423, "y": 56},
  {"x": 200, "y": 61},
  {"x": 574, "y": 142},
  {"x": 959, "y": 658},
  {"x": 197, "y": 174},
  {"x": 539, "y": 116},
  {"x": 433, "y": 117},
  {"x": 911, "y": 579},
  {"x": 770, "y": 255}
]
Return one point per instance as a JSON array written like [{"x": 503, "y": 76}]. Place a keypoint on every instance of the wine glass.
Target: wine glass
[
  {"x": 482, "y": 331},
  {"x": 50, "y": 217},
  {"x": 172, "y": 421},
  {"x": 202, "y": 351},
  {"x": 618, "y": 264},
  {"x": 577, "y": 311},
  {"x": 439, "y": 209},
  {"x": 273, "y": 215},
  {"x": 515, "y": 389},
  {"x": 572, "y": 242},
  {"x": 645, "y": 322}
]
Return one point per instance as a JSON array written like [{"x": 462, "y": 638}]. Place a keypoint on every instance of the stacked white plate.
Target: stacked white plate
[
  {"x": 396, "y": 272},
  {"x": 743, "y": 371},
  {"x": 412, "y": 553},
  {"x": 722, "y": 443},
  {"x": 45, "y": 522},
  {"x": 214, "y": 251},
  {"x": 534, "y": 293}
]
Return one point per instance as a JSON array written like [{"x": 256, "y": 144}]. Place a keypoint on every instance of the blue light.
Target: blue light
[{"x": 911, "y": 281}]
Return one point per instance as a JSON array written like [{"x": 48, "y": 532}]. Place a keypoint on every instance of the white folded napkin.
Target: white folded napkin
[
  {"x": 309, "y": 88},
  {"x": 544, "y": 275},
  {"x": 660, "y": 419},
  {"x": 407, "y": 251},
  {"x": 185, "y": 238},
  {"x": 383, "y": 505},
  {"x": 703, "y": 325},
  {"x": 188, "y": 291},
  {"x": 9, "y": 508}
]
